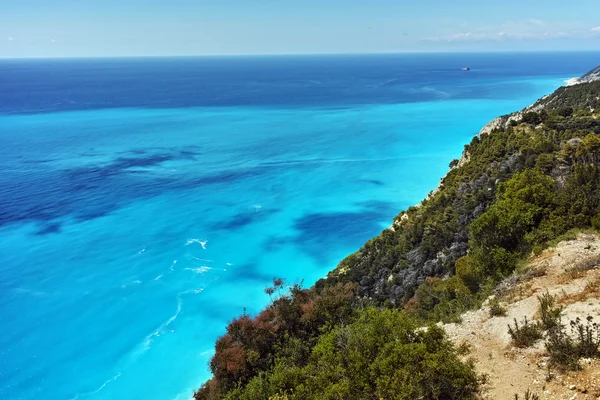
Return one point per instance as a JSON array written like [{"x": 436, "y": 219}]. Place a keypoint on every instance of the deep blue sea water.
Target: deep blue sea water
[{"x": 146, "y": 202}]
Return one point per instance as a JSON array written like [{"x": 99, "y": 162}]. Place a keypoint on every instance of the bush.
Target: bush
[
  {"x": 565, "y": 349},
  {"x": 526, "y": 334},
  {"x": 468, "y": 270},
  {"x": 496, "y": 309},
  {"x": 383, "y": 354},
  {"x": 596, "y": 222},
  {"x": 528, "y": 395},
  {"x": 550, "y": 314}
]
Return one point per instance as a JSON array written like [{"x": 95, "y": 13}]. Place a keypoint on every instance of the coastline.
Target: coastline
[{"x": 148, "y": 177}]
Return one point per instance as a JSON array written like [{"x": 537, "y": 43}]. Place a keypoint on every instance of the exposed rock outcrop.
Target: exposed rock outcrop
[
  {"x": 593, "y": 75},
  {"x": 543, "y": 103}
]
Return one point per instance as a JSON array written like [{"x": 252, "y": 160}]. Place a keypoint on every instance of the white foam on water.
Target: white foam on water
[
  {"x": 200, "y": 242},
  {"x": 148, "y": 340},
  {"x": 158, "y": 277},
  {"x": 162, "y": 328},
  {"x": 185, "y": 395},
  {"x": 78, "y": 395},
  {"x": 199, "y": 270},
  {"x": 136, "y": 282},
  {"x": 202, "y": 259}
]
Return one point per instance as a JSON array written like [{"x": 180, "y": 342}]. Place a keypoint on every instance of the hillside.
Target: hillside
[
  {"x": 570, "y": 272},
  {"x": 366, "y": 331},
  {"x": 513, "y": 190}
]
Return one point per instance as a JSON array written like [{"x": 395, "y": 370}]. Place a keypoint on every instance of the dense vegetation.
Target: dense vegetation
[
  {"x": 358, "y": 334},
  {"x": 521, "y": 187},
  {"x": 309, "y": 345}
]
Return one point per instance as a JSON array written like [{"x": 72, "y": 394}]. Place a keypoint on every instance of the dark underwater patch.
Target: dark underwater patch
[
  {"x": 250, "y": 272},
  {"x": 276, "y": 243},
  {"x": 84, "y": 193},
  {"x": 49, "y": 228},
  {"x": 224, "y": 177},
  {"x": 243, "y": 219},
  {"x": 374, "y": 182},
  {"x": 320, "y": 234}
]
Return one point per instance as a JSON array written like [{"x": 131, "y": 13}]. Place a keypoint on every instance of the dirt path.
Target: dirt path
[{"x": 569, "y": 271}]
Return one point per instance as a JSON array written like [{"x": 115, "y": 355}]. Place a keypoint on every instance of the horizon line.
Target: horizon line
[{"x": 297, "y": 54}]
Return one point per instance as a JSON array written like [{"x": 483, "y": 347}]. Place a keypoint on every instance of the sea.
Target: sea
[{"x": 145, "y": 202}]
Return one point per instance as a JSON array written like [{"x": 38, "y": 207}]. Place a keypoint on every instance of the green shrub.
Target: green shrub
[
  {"x": 526, "y": 334},
  {"x": 550, "y": 314},
  {"x": 596, "y": 221},
  {"x": 468, "y": 269},
  {"x": 496, "y": 309},
  {"x": 384, "y": 355},
  {"x": 528, "y": 395},
  {"x": 566, "y": 348}
]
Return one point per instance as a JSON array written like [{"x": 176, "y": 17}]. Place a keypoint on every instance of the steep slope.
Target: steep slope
[
  {"x": 357, "y": 334},
  {"x": 528, "y": 180},
  {"x": 570, "y": 271}
]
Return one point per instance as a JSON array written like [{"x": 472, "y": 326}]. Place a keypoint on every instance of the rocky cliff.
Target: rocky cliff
[{"x": 591, "y": 76}]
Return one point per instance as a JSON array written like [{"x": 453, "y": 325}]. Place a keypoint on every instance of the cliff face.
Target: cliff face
[{"x": 427, "y": 241}]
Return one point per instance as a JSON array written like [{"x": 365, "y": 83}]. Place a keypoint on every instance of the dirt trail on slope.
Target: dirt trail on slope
[{"x": 570, "y": 271}]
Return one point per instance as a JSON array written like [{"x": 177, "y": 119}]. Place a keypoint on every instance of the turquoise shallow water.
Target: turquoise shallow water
[{"x": 131, "y": 234}]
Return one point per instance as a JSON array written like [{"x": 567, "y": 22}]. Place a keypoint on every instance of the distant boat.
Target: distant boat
[{"x": 465, "y": 69}]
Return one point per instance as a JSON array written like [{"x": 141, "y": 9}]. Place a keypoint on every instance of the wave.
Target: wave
[
  {"x": 386, "y": 83},
  {"x": 172, "y": 267},
  {"x": 426, "y": 89},
  {"x": 114, "y": 378},
  {"x": 200, "y": 242},
  {"x": 199, "y": 270},
  {"x": 185, "y": 395},
  {"x": 202, "y": 259},
  {"x": 161, "y": 329},
  {"x": 136, "y": 282}
]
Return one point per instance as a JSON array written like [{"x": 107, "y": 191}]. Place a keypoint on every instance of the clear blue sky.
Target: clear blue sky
[{"x": 84, "y": 28}]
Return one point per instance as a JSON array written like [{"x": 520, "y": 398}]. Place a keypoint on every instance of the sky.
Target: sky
[{"x": 107, "y": 28}]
